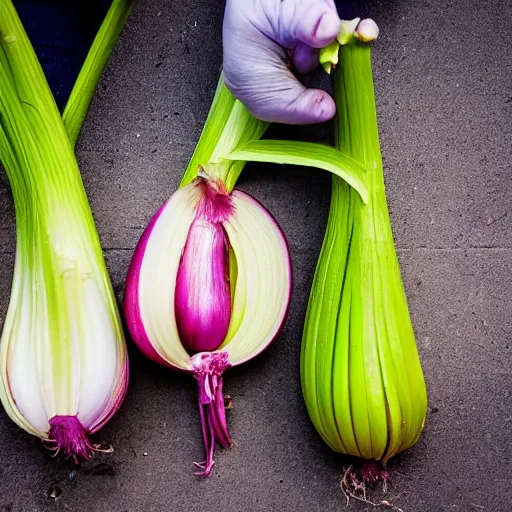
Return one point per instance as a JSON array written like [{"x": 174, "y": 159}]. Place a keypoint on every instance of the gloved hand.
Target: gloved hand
[{"x": 261, "y": 39}]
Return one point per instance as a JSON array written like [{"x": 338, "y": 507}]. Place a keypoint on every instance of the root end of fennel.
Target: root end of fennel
[
  {"x": 356, "y": 479},
  {"x": 67, "y": 436}
]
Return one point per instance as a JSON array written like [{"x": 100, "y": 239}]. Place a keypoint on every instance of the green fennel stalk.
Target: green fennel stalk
[
  {"x": 361, "y": 375},
  {"x": 62, "y": 312}
]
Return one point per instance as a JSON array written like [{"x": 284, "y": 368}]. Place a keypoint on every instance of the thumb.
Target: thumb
[{"x": 310, "y": 106}]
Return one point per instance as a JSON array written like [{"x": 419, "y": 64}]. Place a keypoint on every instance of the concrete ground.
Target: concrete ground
[{"x": 443, "y": 74}]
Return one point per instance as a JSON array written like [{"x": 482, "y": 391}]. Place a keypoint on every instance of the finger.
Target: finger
[
  {"x": 305, "y": 58},
  {"x": 319, "y": 27},
  {"x": 312, "y": 22}
]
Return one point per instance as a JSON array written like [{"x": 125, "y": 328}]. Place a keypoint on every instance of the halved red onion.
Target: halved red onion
[{"x": 208, "y": 288}]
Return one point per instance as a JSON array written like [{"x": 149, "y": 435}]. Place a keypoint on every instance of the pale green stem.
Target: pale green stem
[
  {"x": 228, "y": 126},
  {"x": 54, "y": 222},
  {"x": 92, "y": 69}
]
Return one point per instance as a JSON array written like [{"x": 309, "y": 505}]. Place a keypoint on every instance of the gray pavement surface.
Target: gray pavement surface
[{"x": 443, "y": 78}]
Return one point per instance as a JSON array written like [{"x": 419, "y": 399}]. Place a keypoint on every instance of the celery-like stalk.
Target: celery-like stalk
[
  {"x": 361, "y": 374},
  {"x": 63, "y": 359},
  {"x": 228, "y": 126}
]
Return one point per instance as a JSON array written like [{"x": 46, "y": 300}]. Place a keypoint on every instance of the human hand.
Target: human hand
[{"x": 261, "y": 39}]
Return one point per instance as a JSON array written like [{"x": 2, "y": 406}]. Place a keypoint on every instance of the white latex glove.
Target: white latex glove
[{"x": 261, "y": 40}]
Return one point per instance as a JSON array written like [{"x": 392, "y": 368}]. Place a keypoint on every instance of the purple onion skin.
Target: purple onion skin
[
  {"x": 131, "y": 297},
  {"x": 203, "y": 294}
]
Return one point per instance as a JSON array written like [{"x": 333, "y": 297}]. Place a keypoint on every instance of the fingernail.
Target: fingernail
[{"x": 328, "y": 27}]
